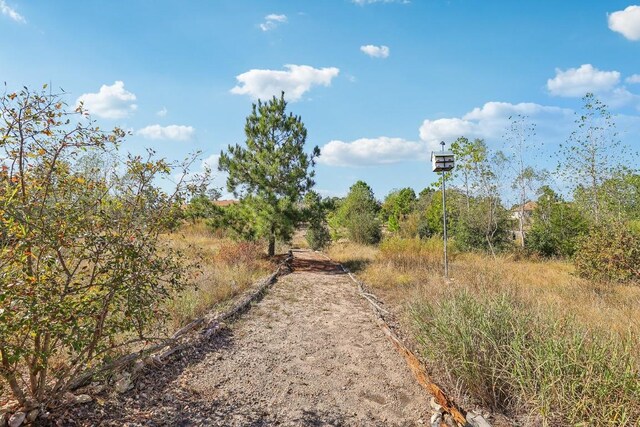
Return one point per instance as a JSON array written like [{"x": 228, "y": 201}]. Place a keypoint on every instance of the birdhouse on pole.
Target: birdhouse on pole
[{"x": 442, "y": 161}]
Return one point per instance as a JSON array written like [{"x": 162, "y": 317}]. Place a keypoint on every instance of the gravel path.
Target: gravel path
[{"x": 310, "y": 353}]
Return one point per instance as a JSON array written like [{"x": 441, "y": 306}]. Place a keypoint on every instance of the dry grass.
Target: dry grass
[
  {"x": 221, "y": 269},
  {"x": 526, "y": 337}
]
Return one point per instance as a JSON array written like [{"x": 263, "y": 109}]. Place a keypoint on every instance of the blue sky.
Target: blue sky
[{"x": 377, "y": 83}]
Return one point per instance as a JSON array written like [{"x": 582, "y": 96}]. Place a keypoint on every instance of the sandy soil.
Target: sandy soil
[{"x": 310, "y": 353}]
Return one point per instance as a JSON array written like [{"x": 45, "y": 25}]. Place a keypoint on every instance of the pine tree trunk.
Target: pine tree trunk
[{"x": 272, "y": 241}]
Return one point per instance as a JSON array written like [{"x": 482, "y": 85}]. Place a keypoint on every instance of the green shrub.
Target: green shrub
[
  {"x": 609, "y": 253},
  {"x": 364, "y": 228},
  {"x": 318, "y": 236},
  {"x": 514, "y": 359},
  {"x": 82, "y": 262},
  {"x": 557, "y": 226}
]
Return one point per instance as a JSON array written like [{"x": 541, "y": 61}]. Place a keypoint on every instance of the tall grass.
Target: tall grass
[
  {"x": 222, "y": 269},
  {"x": 527, "y": 338},
  {"x": 516, "y": 359}
]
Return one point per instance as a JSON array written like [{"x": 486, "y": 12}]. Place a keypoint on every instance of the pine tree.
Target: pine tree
[{"x": 272, "y": 172}]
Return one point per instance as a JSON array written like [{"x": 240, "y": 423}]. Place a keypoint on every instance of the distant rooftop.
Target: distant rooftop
[{"x": 223, "y": 203}]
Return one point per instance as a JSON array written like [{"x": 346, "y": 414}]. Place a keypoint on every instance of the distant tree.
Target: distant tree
[
  {"x": 484, "y": 217},
  {"x": 315, "y": 213},
  {"x": 468, "y": 155},
  {"x": 592, "y": 155},
  {"x": 519, "y": 139},
  {"x": 397, "y": 206},
  {"x": 202, "y": 206},
  {"x": 557, "y": 226},
  {"x": 272, "y": 172},
  {"x": 358, "y": 214}
]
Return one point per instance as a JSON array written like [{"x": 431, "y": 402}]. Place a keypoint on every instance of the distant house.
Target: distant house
[
  {"x": 529, "y": 207},
  {"x": 225, "y": 203}
]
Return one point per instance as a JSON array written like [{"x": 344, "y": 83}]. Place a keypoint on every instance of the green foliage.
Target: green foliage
[
  {"x": 484, "y": 226},
  {"x": 81, "y": 258},
  {"x": 591, "y": 156},
  {"x": 272, "y": 172},
  {"x": 201, "y": 206},
  {"x": 397, "y": 206},
  {"x": 358, "y": 215},
  {"x": 609, "y": 253},
  {"x": 317, "y": 236},
  {"x": 515, "y": 359},
  {"x": 557, "y": 226}
]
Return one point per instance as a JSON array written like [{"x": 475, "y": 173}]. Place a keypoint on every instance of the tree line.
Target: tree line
[{"x": 595, "y": 210}]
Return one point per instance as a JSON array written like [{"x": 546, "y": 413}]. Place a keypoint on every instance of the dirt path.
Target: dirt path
[{"x": 310, "y": 353}]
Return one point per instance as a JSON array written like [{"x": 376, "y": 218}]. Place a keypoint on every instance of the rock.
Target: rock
[
  {"x": 83, "y": 398},
  {"x": 3, "y": 420},
  {"x": 124, "y": 383},
  {"x": 434, "y": 405},
  {"x": 17, "y": 419},
  {"x": 477, "y": 420},
  {"x": 436, "y": 419},
  {"x": 33, "y": 415}
]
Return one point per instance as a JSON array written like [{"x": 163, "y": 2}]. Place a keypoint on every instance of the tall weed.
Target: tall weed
[{"x": 516, "y": 359}]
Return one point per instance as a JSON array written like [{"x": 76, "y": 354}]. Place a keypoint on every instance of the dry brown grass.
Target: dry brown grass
[
  {"x": 221, "y": 269},
  {"x": 527, "y": 337},
  {"x": 402, "y": 267}
]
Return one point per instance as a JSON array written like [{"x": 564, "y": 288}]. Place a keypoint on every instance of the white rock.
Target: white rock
[
  {"x": 434, "y": 405},
  {"x": 83, "y": 398},
  {"x": 477, "y": 420},
  {"x": 17, "y": 419},
  {"x": 436, "y": 419}
]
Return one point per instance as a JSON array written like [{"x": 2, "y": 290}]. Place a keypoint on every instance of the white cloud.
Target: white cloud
[
  {"x": 491, "y": 121},
  {"x": 173, "y": 132},
  {"x": 635, "y": 78},
  {"x": 298, "y": 79},
  {"x": 163, "y": 112},
  {"x": 272, "y": 21},
  {"x": 111, "y": 102},
  {"x": 626, "y": 22},
  {"x": 211, "y": 162},
  {"x": 576, "y": 82},
  {"x": 11, "y": 13},
  {"x": 375, "y": 51},
  {"x": 371, "y": 151}
]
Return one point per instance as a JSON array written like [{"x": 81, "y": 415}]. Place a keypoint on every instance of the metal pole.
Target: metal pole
[{"x": 444, "y": 219}]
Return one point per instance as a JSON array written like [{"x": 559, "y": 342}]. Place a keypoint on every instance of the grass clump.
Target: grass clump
[{"x": 519, "y": 360}]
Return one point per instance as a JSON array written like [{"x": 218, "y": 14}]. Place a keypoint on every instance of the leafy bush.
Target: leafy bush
[
  {"x": 318, "y": 236},
  {"x": 315, "y": 211},
  {"x": 557, "y": 226},
  {"x": 609, "y": 253},
  {"x": 515, "y": 359},
  {"x": 358, "y": 215},
  {"x": 81, "y": 259},
  {"x": 363, "y": 227}
]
